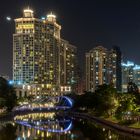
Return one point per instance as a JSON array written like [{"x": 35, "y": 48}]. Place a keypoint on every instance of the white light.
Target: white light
[
  {"x": 137, "y": 67},
  {"x": 28, "y": 10},
  {"x": 51, "y": 16},
  {"x": 8, "y": 18},
  {"x": 43, "y": 18}
]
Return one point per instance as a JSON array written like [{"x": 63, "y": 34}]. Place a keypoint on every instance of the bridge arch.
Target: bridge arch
[{"x": 47, "y": 103}]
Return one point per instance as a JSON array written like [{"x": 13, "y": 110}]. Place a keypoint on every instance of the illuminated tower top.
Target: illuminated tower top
[
  {"x": 51, "y": 17},
  {"x": 28, "y": 13}
]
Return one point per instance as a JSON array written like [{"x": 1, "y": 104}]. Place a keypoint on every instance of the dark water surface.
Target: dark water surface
[{"x": 49, "y": 126}]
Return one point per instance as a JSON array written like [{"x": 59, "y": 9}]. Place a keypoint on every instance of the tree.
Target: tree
[
  {"x": 106, "y": 101},
  {"x": 7, "y": 94},
  {"x": 127, "y": 104},
  {"x": 132, "y": 88}
]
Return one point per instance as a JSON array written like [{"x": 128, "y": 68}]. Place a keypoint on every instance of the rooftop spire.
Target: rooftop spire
[
  {"x": 28, "y": 13},
  {"x": 51, "y": 17}
]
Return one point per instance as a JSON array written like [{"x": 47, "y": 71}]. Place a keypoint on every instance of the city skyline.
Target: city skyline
[{"x": 85, "y": 24}]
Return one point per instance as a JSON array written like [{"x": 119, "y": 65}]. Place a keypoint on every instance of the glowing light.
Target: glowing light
[
  {"x": 128, "y": 64},
  {"x": 51, "y": 16},
  {"x": 28, "y": 11},
  {"x": 49, "y": 130},
  {"x": 8, "y": 18},
  {"x": 19, "y": 83},
  {"x": 137, "y": 67},
  {"x": 43, "y": 18},
  {"x": 69, "y": 100},
  {"x": 11, "y": 82}
]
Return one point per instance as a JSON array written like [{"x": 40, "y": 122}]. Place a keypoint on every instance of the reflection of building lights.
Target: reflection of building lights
[
  {"x": 110, "y": 137},
  {"x": 29, "y": 133}
]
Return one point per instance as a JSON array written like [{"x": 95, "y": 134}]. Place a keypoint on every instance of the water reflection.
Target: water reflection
[
  {"x": 51, "y": 126},
  {"x": 45, "y": 122}
]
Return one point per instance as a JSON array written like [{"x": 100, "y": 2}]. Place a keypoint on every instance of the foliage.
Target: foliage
[
  {"x": 106, "y": 102},
  {"x": 7, "y": 94},
  {"x": 132, "y": 88}
]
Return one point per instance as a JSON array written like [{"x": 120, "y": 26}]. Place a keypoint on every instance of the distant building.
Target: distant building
[
  {"x": 127, "y": 74},
  {"x": 68, "y": 64},
  {"x": 96, "y": 68},
  {"x": 103, "y": 67},
  {"x": 40, "y": 56},
  {"x": 115, "y": 69},
  {"x": 136, "y": 73},
  {"x": 130, "y": 73}
]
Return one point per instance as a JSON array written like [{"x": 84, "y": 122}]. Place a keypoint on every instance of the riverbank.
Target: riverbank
[{"x": 125, "y": 129}]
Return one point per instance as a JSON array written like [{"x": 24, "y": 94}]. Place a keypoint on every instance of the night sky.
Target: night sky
[{"x": 85, "y": 23}]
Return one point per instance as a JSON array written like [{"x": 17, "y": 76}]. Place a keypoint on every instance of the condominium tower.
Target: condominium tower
[
  {"x": 130, "y": 73},
  {"x": 103, "y": 67},
  {"x": 37, "y": 50}
]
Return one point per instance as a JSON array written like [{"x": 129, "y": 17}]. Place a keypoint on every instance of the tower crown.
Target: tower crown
[
  {"x": 28, "y": 13},
  {"x": 51, "y": 17}
]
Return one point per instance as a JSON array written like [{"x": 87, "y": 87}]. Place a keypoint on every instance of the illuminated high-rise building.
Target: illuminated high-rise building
[
  {"x": 37, "y": 50},
  {"x": 127, "y": 74},
  {"x": 136, "y": 71},
  {"x": 96, "y": 68},
  {"x": 114, "y": 68},
  {"x": 35, "y": 46},
  {"x": 103, "y": 67},
  {"x": 130, "y": 73},
  {"x": 68, "y": 65}
]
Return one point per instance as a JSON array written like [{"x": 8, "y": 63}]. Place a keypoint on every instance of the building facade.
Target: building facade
[
  {"x": 68, "y": 63},
  {"x": 130, "y": 73},
  {"x": 37, "y": 50},
  {"x": 114, "y": 67},
  {"x": 96, "y": 68},
  {"x": 103, "y": 67}
]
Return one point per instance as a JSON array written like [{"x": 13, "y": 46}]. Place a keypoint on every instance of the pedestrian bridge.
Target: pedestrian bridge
[{"x": 47, "y": 103}]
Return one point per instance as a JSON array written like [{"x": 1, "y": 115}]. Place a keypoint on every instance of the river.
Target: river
[{"x": 53, "y": 126}]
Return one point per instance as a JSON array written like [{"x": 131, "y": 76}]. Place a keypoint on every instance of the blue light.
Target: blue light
[
  {"x": 11, "y": 82},
  {"x": 69, "y": 100},
  {"x": 19, "y": 83},
  {"x": 137, "y": 67},
  {"x": 128, "y": 64},
  {"x": 44, "y": 129},
  {"x": 43, "y": 18}
]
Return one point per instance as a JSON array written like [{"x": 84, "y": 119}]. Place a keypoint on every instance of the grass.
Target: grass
[
  {"x": 112, "y": 119},
  {"x": 135, "y": 125},
  {"x": 126, "y": 123}
]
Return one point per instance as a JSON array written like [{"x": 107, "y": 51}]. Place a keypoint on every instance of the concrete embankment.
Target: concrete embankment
[{"x": 133, "y": 131}]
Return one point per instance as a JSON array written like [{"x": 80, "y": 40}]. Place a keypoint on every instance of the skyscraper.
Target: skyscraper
[
  {"x": 130, "y": 73},
  {"x": 37, "y": 51},
  {"x": 68, "y": 65},
  {"x": 103, "y": 67},
  {"x": 96, "y": 68},
  {"x": 127, "y": 74},
  {"x": 114, "y": 67}
]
